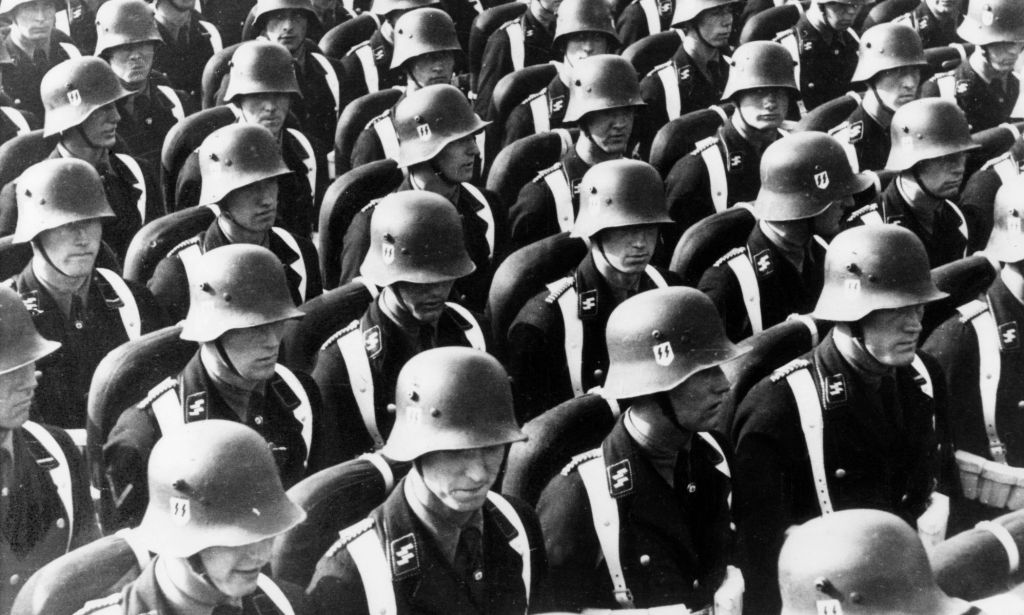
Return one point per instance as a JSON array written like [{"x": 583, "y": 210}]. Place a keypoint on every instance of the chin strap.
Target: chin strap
[{"x": 225, "y": 358}]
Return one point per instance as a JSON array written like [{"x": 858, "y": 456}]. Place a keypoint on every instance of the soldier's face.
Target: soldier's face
[
  {"x": 461, "y": 479},
  {"x": 545, "y": 11},
  {"x": 941, "y": 8},
  {"x": 898, "y": 86},
  {"x": 268, "y": 109},
  {"x": 697, "y": 400},
  {"x": 629, "y": 249},
  {"x": 826, "y": 224},
  {"x": 764, "y": 109},
  {"x": 942, "y": 176},
  {"x": 891, "y": 335},
  {"x": 432, "y": 68},
  {"x": 610, "y": 129},
  {"x": 132, "y": 63},
  {"x": 73, "y": 247},
  {"x": 457, "y": 159},
  {"x": 583, "y": 45},
  {"x": 16, "y": 391},
  {"x": 253, "y": 350},
  {"x": 252, "y": 207},
  {"x": 1003, "y": 56},
  {"x": 840, "y": 16},
  {"x": 424, "y": 301},
  {"x": 34, "y": 20},
  {"x": 100, "y": 128},
  {"x": 234, "y": 570},
  {"x": 715, "y": 25},
  {"x": 288, "y": 28}
]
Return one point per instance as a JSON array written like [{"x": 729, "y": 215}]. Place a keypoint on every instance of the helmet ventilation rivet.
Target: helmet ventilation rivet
[{"x": 434, "y": 412}]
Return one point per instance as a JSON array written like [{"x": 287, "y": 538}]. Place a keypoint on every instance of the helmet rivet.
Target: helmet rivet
[
  {"x": 434, "y": 412},
  {"x": 920, "y": 136},
  {"x": 418, "y": 118},
  {"x": 42, "y": 201},
  {"x": 228, "y": 163},
  {"x": 856, "y": 598},
  {"x": 824, "y": 586},
  {"x": 593, "y": 190},
  {"x": 872, "y": 277},
  {"x": 608, "y": 201},
  {"x": 578, "y": 82},
  {"x": 181, "y": 485},
  {"x": 214, "y": 157},
  {"x": 205, "y": 287},
  {"x": 656, "y": 334},
  {"x": 28, "y": 192},
  {"x": 906, "y": 129},
  {"x": 1015, "y": 213},
  {"x": 227, "y": 297},
  {"x": 389, "y": 237},
  {"x": 405, "y": 250},
  {"x": 853, "y": 268},
  {"x": 414, "y": 396}
]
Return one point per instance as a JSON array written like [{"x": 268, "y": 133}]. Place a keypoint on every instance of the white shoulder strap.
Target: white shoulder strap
[
  {"x": 304, "y": 412},
  {"x": 717, "y": 178},
  {"x": 310, "y": 159},
  {"x": 129, "y": 310},
  {"x": 801, "y": 382},
  {"x": 364, "y": 53},
  {"x": 72, "y": 51},
  {"x": 353, "y": 352},
  {"x": 130, "y": 536},
  {"x": 385, "y": 129},
  {"x": 947, "y": 86},
  {"x": 375, "y": 573},
  {"x": 962, "y": 227},
  {"x": 17, "y": 119},
  {"x": 989, "y": 368},
  {"x": 474, "y": 335},
  {"x": 382, "y": 466},
  {"x": 370, "y": 287},
  {"x": 925, "y": 378},
  {"x": 1007, "y": 168},
  {"x": 332, "y": 79},
  {"x": 605, "y": 511},
  {"x": 168, "y": 411},
  {"x": 521, "y": 543},
  {"x": 743, "y": 269},
  {"x": 651, "y": 15},
  {"x": 842, "y": 134},
  {"x": 788, "y": 40},
  {"x": 560, "y": 190},
  {"x": 670, "y": 85},
  {"x": 60, "y": 474},
  {"x": 177, "y": 110},
  {"x": 722, "y": 466},
  {"x": 481, "y": 144},
  {"x": 272, "y": 591},
  {"x": 873, "y": 217},
  {"x": 573, "y": 337},
  {"x": 215, "y": 39},
  {"x": 140, "y": 182},
  {"x": 484, "y": 214},
  {"x": 539, "y": 111},
  {"x": 189, "y": 257},
  {"x": 298, "y": 266},
  {"x": 656, "y": 277},
  {"x": 516, "y": 44}
]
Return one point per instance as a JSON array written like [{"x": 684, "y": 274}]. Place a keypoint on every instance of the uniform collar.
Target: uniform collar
[{"x": 199, "y": 598}]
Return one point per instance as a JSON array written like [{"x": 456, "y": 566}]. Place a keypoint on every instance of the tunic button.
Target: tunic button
[
  {"x": 15, "y": 579},
  {"x": 1020, "y": 405},
  {"x": 60, "y": 524},
  {"x": 645, "y": 560},
  {"x": 4, "y": 492},
  {"x": 258, "y": 420},
  {"x": 78, "y": 324},
  {"x": 696, "y": 583},
  {"x": 840, "y": 473},
  {"x": 478, "y": 575},
  {"x": 691, "y": 488},
  {"x": 149, "y": 121}
]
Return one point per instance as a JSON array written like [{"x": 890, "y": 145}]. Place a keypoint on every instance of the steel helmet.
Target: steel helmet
[
  {"x": 584, "y": 16},
  {"x": 429, "y": 119},
  {"x": 1006, "y": 242},
  {"x": 619, "y": 193},
  {"x": 802, "y": 174},
  {"x": 761, "y": 64},
  {"x": 925, "y": 129},
  {"x": 384, "y": 7},
  {"x": 259, "y": 67},
  {"x": 264, "y": 7},
  {"x": 888, "y": 46},
  {"x": 20, "y": 343},
  {"x": 449, "y": 399},
  {"x": 659, "y": 338},
  {"x": 75, "y": 88},
  {"x": 421, "y": 32},
  {"x": 415, "y": 236},
  {"x": 688, "y": 10},
  {"x": 993, "y": 21},
  {"x": 125, "y": 22},
  {"x": 874, "y": 267},
  {"x": 859, "y": 562},
  {"x": 213, "y": 483},
  {"x": 236, "y": 286},
  {"x": 55, "y": 192},
  {"x": 235, "y": 156},
  {"x": 8, "y": 6},
  {"x": 602, "y": 82}
]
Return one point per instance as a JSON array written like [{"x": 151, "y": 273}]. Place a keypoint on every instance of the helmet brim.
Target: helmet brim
[
  {"x": 626, "y": 381},
  {"x": 203, "y": 329},
  {"x": 40, "y": 349},
  {"x": 406, "y": 161},
  {"x": 404, "y": 445},
  {"x": 834, "y": 309},
  {"x": 771, "y": 206}
]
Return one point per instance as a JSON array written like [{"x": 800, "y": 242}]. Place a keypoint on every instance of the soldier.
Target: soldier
[
  {"x": 696, "y": 75},
  {"x": 80, "y": 97},
  {"x": 453, "y": 545},
  {"x": 891, "y": 63},
  {"x": 668, "y": 484},
  {"x": 935, "y": 21},
  {"x": 724, "y": 169},
  {"x": 644, "y": 18},
  {"x": 930, "y": 143},
  {"x": 851, "y": 423},
  {"x": 287, "y": 22},
  {"x": 806, "y": 184},
  {"x": 604, "y": 98},
  {"x": 240, "y": 165},
  {"x": 417, "y": 253},
  {"x": 32, "y": 50},
  {"x": 584, "y": 29},
  {"x": 216, "y": 506},
  {"x": 556, "y": 343},
  {"x": 437, "y": 132},
  {"x": 89, "y": 310},
  {"x": 189, "y": 42},
  {"x": 127, "y": 38},
  {"x": 824, "y": 46},
  {"x": 261, "y": 90},
  {"x": 239, "y": 304},
  {"x": 524, "y": 41},
  {"x": 984, "y": 86},
  {"x": 426, "y": 49},
  {"x": 979, "y": 351},
  {"x": 980, "y": 192},
  {"x": 44, "y": 490}
]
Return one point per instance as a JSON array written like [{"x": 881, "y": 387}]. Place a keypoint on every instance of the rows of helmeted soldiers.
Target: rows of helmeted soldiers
[{"x": 549, "y": 306}]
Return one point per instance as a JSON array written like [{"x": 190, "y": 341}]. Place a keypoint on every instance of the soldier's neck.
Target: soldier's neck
[
  {"x": 590, "y": 153},
  {"x": 699, "y": 51},
  {"x": 29, "y": 46},
  {"x": 234, "y": 389},
  {"x": 61, "y": 287},
  {"x": 923, "y": 204},
  {"x": 416, "y": 487},
  {"x": 622, "y": 284},
  {"x": 238, "y": 234},
  {"x": 75, "y": 145},
  {"x": 858, "y": 356},
  {"x": 874, "y": 107},
  {"x": 791, "y": 238},
  {"x": 186, "y": 590},
  {"x": 758, "y": 138},
  {"x": 983, "y": 68},
  {"x": 659, "y": 440},
  {"x": 423, "y": 177},
  {"x": 1012, "y": 276}
]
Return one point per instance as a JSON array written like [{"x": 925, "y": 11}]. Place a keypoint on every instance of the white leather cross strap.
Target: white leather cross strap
[
  {"x": 310, "y": 161},
  {"x": 272, "y": 591},
  {"x": 743, "y": 269},
  {"x": 177, "y": 110},
  {"x": 353, "y": 352},
  {"x": 651, "y": 15},
  {"x": 979, "y": 314},
  {"x": 539, "y": 110},
  {"x": 962, "y": 227},
  {"x": 304, "y": 412},
  {"x": 383, "y": 467},
  {"x": 374, "y": 571},
  {"x": 140, "y": 183},
  {"x": 516, "y": 44},
  {"x": 801, "y": 382},
  {"x": 717, "y": 178},
  {"x": 520, "y": 543},
  {"x": 129, "y": 310},
  {"x": 947, "y": 86},
  {"x": 298, "y": 265},
  {"x": 669, "y": 77},
  {"x": 558, "y": 183},
  {"x": 385, "y": 129},
  {"x": 59, "y": 474},
  {"x": 332, "y": 80},
  {"x": 474, "y": 335},
  {"x": 789, "y": 40},
  {"x": 1006, "y": 539},
  {"x": 17, "y": 119},
  {"x": 365, "y": 55},
  {"x": 484, "y": 213},
  {"x": 211, "y": 30},
  {"x": 605, "y": 511}
]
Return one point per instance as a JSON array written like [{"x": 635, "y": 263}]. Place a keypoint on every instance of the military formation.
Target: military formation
[{"x": 396, "y": 307}]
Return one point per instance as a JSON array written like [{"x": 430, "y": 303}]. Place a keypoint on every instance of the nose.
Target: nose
[
  {"x": 472, "y": 148},
  {"x": 113, "y": 115},
  {"x": 771, "y": 102},
  {"x": 476, "y": 467}
]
